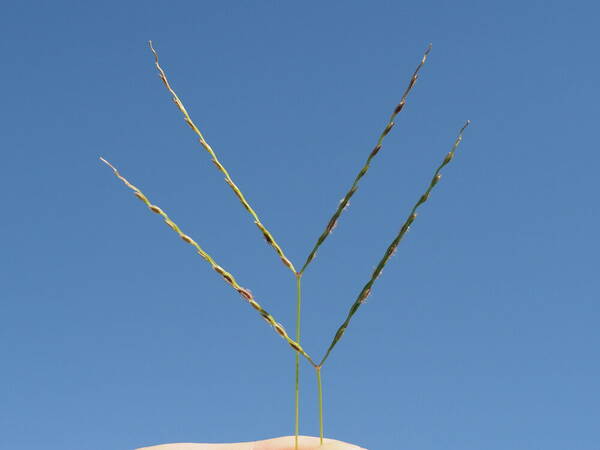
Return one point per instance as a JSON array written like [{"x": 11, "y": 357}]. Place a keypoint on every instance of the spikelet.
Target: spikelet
[
  {"x": 388, "y": 127},
  {"x": 228, "y": 277},
  {"x": 366, "y": 290},
  {"x": 238, "y": 193}
]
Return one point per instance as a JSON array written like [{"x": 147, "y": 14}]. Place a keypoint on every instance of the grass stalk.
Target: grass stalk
[
  {"x": 297, "y": 396},
  {"x": 186, "y": 117},
  {"x": 320, "y": 394},
  {"x": 344, "y": 203},
  {"x": 366, "y": 290},
  {"x": 228, "y": 277}
]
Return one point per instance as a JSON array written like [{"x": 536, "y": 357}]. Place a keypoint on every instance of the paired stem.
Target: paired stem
[{"x": 317, "y": 369}]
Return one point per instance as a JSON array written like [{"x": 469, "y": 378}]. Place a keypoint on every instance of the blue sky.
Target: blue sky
[{"x": 482, "y": 331}]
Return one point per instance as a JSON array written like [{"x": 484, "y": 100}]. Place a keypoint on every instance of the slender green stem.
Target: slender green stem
[
  {"x": 298, "y": 312},
  {"x": 320, "y": 387}
]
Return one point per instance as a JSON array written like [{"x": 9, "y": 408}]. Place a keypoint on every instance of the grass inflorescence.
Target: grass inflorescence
[{"x": 268, "y": 236}]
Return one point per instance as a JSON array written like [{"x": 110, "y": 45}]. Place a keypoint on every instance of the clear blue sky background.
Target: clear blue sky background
[{"x": 482, "y": 332}]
